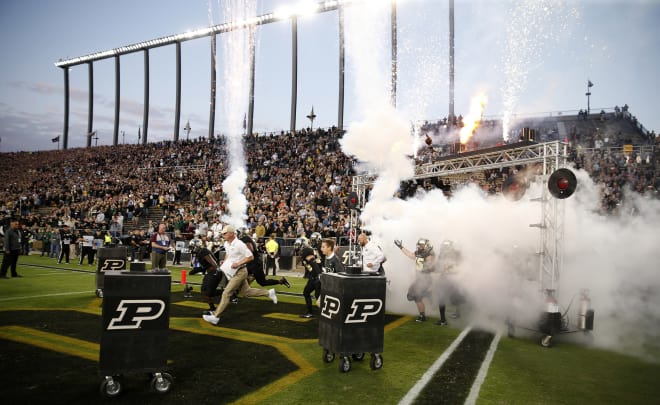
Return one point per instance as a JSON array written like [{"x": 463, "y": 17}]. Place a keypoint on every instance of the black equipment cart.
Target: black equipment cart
[
  {"x": 352, "y": 318},
  {"x": 108, "y": 259},
  {"x": 135, "y": 323}
]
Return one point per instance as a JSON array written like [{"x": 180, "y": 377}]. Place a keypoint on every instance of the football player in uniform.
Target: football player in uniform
[
  {"x": 213, "y": 277},
  {"x": 255, "y": 267},
  {"x": 424, "y": 258}
]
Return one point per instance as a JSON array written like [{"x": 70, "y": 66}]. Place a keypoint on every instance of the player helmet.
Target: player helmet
[
  {"x": 298, "y": 245},
  {"x": 195, "y": 245},
  {"x": 424, "y": 247},
  {"x": 315, "y": 240}
]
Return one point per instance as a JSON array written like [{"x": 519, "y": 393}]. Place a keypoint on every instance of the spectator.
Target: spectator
[{"x": 12, "y": 245}]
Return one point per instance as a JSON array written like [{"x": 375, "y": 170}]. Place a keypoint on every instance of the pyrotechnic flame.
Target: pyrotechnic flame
[{"x": 472, "y": 120}]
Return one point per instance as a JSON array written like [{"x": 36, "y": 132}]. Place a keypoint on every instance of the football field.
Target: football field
[{"x": 50, "y": 334}]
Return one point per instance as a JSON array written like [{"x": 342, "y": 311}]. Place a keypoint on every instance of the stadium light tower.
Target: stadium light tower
[
  {"x": 187, "y": 129},
  {"x": 311, "y": 118},
  {"x": 588, "y": 94}
]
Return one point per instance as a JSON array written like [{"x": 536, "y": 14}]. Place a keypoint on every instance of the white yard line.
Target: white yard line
[
  {"x": 483, "y": 371},
  {"x": 29, "y": 297},
  {"x": 417, "y": 388}
]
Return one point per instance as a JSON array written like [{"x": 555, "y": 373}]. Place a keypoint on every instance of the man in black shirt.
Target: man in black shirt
[
  {"x": 332, "y": 263},
  {"x": 65, "y": 243},
  {"x": 312, "y": 273},
  {"x": 86, "y": 240},
  {"x": 12, "y": 249}
]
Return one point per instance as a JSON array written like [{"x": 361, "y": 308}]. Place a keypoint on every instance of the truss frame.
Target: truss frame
[{"x": 457, "y": 168}]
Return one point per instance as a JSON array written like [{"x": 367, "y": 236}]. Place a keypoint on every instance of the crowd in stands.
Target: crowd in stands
[{"x": 297, "y": 184}]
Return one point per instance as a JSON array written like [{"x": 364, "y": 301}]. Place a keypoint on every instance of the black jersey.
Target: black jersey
[
  {"x": 201, "y": 258},
  {"x": 256, "y": 262}
]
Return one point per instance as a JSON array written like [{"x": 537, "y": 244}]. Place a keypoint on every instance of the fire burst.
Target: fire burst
[{"x": 473, "y": 119}]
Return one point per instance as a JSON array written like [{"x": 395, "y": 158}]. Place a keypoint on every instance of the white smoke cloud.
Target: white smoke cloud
[
  {"x": 614, "y": 257},
  {"x": 236, "y": 51}
]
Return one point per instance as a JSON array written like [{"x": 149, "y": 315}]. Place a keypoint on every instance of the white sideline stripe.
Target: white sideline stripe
[
  {"x": 45, "y": 295},
  {"x": 483, "y": 371},
  {"x": 417, "y": 388},
  {"x": 53, "y": 273}
]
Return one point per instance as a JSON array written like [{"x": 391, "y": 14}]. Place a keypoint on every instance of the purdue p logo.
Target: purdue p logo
[
  {"x": 361, "y": 308},
  {"x": 330, "y": 306},
  {"x": 113, "y": 264},
  {"x": 133, "y": 312},
  {"x": 364, "y": 308}
]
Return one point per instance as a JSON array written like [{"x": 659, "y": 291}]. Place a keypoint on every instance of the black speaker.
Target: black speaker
[
  {"x": 562, "y": 183},
  {"x": 352, "y": 200}
]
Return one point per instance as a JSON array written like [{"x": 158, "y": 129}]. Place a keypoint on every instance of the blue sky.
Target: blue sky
[{"x": 530, "y": 56}]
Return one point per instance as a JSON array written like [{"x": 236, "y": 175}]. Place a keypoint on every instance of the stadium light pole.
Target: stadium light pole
[
  {"x": 294, "y": 72},
  {"x": 213, "y": 86},
  {"x": 115, "y": 130},
  {"x": 90, "y": 101},
  {"x": 588, "y": 94},
  {"x": 145, "y": 113}
]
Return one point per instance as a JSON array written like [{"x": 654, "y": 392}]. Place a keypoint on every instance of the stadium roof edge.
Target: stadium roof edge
[{"x": 285, "y": 14}]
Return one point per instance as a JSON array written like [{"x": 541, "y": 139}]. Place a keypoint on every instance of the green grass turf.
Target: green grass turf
[
  {"x": 263, "y": 353},
  {"x": 521, "y": 373}
]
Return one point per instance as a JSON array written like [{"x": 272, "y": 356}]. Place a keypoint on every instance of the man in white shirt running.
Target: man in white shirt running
[{"x": 237, "y": 256}]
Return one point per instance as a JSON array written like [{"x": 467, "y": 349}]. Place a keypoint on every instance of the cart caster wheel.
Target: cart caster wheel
[
  {"x": 327, "y": 356},
  {"x": 110, "y": 387},
  {"x": 344, "y": 364},
  {"x": 99, "y": 293},
  {"x": 358, "y": 356},
  {"x": 546, "y": 341},
  {"x": 376, "y": 361},
  {"x": 161, "y": 383}
]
